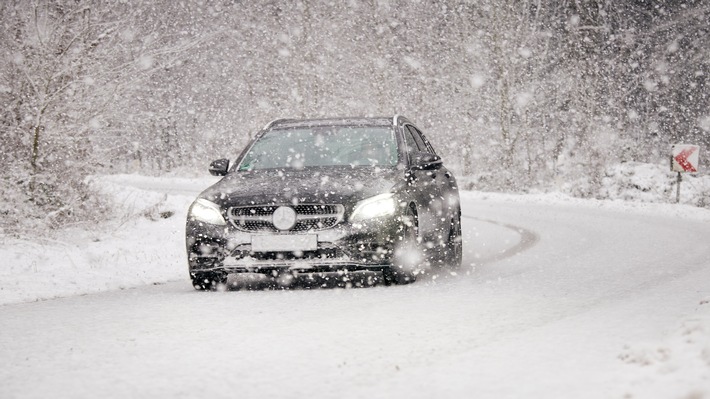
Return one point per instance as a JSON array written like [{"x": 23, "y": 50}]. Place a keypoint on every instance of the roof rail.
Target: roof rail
[
  {"x": 394, "y": 120},
  {"x": 268, "y": 125}
]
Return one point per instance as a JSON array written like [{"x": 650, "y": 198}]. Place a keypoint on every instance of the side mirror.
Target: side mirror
[
  {"x": 219, "y": 167},
  {"x": 426, "y": 161}
]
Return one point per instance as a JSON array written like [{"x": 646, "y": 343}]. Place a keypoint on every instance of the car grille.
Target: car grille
[{"x": 309, "y": 217}]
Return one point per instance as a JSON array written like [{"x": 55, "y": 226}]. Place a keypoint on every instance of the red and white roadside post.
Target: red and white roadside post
[{"x": 685, "y": 158}]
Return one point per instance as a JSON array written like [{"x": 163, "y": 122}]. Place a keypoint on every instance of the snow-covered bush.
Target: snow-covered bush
[
  {"x": 36, "y": 207},
  {"x": 645, "y": 182}
]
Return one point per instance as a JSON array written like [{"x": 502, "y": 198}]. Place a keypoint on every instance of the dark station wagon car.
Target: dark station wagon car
[{"x": 327, "y": 195}]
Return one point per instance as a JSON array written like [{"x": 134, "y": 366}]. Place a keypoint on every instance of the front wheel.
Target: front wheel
[
  {"x": 407, "y": 255},
  {"x": 454, "y": 244},
  {"x": 208, "y": 281}
]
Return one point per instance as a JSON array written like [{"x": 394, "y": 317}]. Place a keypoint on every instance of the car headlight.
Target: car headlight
[
  {"x": 374, "y": 207},
  {"x": 206, "y": 211}
]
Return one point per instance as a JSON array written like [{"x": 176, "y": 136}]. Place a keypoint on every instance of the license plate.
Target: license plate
[{"x": 274, "y": 243}]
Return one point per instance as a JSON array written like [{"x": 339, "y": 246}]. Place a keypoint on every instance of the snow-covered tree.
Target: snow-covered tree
[
  {"x": 515, "y": 94},
  {"x": 68, "y": 69}
]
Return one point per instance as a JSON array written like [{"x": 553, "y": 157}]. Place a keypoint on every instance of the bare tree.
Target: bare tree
[{"x": 68, "y": 70}]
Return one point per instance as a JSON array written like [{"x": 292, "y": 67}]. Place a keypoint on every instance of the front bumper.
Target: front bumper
[{"x": 350, "y": 247}]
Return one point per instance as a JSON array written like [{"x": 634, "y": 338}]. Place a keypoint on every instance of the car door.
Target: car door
[
  {"x": 424, "y": 186},
  {"x": 446, "y": 204}
]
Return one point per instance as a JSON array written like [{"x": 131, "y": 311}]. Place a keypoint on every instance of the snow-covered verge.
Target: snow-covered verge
[
  {"x": 680, "y": 364},
  {"x": 628, "y": 181},
  {"x": 645, "y": 182},
  {"x": 142, "y": 244},
  {"x": 681, "y": 211}
]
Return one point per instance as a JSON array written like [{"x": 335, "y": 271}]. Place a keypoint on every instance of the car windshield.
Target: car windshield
[{"x": 322, "y": 146}]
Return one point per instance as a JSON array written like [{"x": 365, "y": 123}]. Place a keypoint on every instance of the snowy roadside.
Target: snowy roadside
[
  {"x": 631, "y": 182},
  {"x": 677, "y": 366},
  {"x": 680, "y": 211},
  {"x": 144, "y": 244}
]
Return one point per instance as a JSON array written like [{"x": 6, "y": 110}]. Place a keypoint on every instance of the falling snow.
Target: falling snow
[{"x": 581, "y": 276}]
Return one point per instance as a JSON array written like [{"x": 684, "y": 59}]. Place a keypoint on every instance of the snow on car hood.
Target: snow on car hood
[{"x": 341, "y": 185}]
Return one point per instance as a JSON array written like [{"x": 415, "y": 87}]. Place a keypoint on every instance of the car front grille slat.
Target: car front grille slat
[{"x": 309, "y": 217}]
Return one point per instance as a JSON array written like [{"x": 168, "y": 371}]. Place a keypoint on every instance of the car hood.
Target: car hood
[{"x": 311, "y": 185}]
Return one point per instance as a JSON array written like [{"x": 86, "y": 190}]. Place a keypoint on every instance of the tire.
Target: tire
[
  {"x": 208, "y": 281},
  {"x": 405, "y": 261},
  {"x": 454, "y": 244}
]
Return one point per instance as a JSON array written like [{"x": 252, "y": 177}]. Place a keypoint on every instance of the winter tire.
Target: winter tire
[
  {"x": 405, "y": 261},
  {"x": 208, "y": 281},
  {"x": 454, "y": 245}
]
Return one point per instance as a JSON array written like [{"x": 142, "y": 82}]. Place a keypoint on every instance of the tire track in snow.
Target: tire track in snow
[{"x": 528, "y": 239}]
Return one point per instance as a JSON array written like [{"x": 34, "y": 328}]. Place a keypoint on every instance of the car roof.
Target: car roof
[{"x": 349, "y": 121}]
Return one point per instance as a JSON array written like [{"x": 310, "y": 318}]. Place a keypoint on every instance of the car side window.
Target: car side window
[
  {"x": 412, "y": 145},
  {"x": 422, "y": 142}
]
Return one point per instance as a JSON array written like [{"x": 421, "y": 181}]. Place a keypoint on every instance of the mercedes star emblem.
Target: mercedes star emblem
[{"x": 284, "y": 218}]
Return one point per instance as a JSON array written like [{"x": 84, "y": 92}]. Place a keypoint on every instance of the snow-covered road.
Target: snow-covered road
[{"x": 556, "y": 300}]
